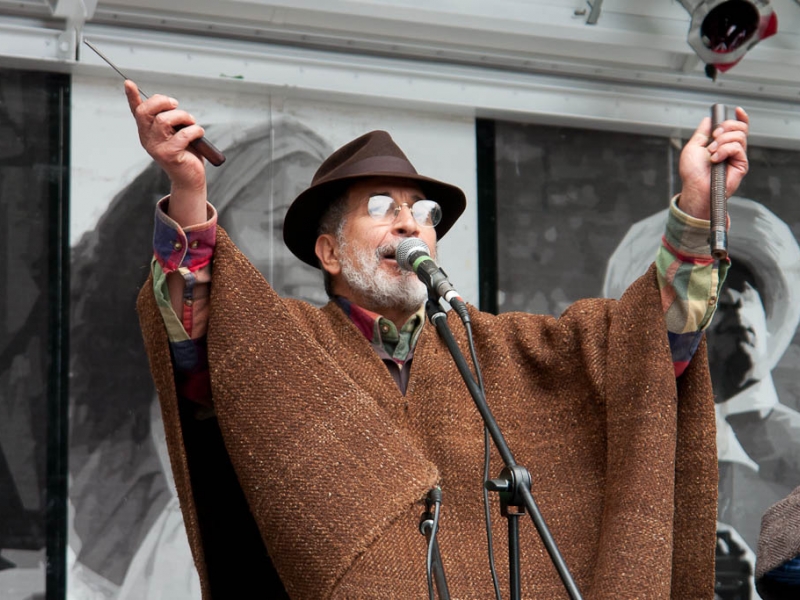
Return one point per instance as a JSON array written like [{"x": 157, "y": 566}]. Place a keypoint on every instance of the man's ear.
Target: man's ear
[{"x": 327, "y": 251}]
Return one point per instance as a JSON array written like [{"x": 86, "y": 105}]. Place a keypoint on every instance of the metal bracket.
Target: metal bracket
[
  {"x": 594, "y": 13},
  {"x": 75, "y": 13}
]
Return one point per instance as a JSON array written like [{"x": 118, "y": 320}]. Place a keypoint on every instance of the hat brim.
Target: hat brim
[
  {"x": 301, "y": 224},
  {"x": 757, "y": 237}
]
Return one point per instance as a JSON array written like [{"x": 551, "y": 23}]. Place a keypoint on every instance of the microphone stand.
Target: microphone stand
[
  {"x": 514, "y": 482},
  {"x": 427, "y": 527}
]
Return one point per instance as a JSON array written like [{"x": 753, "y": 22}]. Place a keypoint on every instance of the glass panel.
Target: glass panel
[
  {"x": 30, "y": 160},
  {"x": 565, "y": 197}
]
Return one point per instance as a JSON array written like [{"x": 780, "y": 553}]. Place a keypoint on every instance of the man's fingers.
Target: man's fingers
[
  {"x": 733, "y": 129},
  {"x": 174, "y": 119},
  {"x": 742, "y": 116},
  {"x": 132, "y": 93},
  {"x": 733, "y": 156},
  {"x": 156, "y": 105},
  {"x": 151, "y": 107},
  {"x": 158, "y": 115},
  {"x": 733, "y": 153},
  {"x": 727, "y": 138},
  {"x": 186, "y": 135},
  {"x": 702, "y": 133},
  {"x": 733, "y": 145}
]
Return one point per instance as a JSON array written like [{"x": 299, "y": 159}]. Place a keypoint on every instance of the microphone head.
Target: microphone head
[{"x": 408, "y": 250}]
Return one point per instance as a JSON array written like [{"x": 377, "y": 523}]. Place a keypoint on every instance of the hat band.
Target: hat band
[{"x": 375, "y": 165}]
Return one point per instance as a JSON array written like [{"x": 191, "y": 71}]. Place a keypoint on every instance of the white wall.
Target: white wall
[{"x": 106, "y": 153}]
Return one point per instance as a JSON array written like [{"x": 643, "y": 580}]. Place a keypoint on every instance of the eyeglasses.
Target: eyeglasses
[{"x": 426, "y": 213}]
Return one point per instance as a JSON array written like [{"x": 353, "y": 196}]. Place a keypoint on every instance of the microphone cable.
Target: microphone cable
[
  {"x": 429, "y": 527},
  {"x": 436, "y": 493},
  {"x": 486, "y": 456}
]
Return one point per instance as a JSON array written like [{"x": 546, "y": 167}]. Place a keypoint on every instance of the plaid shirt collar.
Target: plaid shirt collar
[{"x": 391, "y": 343}]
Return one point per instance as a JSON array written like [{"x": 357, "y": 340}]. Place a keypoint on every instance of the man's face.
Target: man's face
[
  {"x": 370, "y": 275},
  {"x": 254, "y": 218},
  {"x": 737, "y": 341}
]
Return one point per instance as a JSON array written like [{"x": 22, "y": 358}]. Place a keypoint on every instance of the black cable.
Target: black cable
[
  {"x": 432, "y": 545},
  {"x": 487, "y": 515},
  {"x": 486, "y": 456},
  {"x": 431, "y": 521},
  {"x": 429, "y": 568}
]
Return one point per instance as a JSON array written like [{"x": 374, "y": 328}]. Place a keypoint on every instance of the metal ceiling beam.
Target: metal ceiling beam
[
  {"x": 158, "y": 62},
  {"x": 537, "y": 76}
]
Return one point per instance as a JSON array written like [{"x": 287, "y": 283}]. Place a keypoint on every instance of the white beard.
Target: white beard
[{"x": 362, "y": 271}]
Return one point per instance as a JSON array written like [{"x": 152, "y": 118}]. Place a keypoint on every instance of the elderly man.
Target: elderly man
[{"x": 306, "y": 439}]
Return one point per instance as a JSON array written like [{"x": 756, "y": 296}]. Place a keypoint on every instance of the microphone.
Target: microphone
[{"x": 413, "y": 255}]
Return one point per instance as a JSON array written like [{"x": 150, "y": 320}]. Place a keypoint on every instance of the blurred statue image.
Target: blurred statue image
[
  {"x": 758, "y": 436},
  {"x": 127, "y": 538}
]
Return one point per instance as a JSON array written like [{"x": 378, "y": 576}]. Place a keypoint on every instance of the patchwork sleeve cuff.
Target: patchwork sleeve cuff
[
  {"x": 685, "y": 235},
  {"x": 188, "y": 247}
]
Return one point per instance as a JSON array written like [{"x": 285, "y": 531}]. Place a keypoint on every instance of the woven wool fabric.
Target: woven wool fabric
[
  {"x": 623, "y": 461},
  {"x": 779, "y": 540}
]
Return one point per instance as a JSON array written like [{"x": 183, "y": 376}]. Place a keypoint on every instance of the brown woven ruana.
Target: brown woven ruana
[
  {"x": 779, "y": 540},
  {"x": 334, "y": 462}
]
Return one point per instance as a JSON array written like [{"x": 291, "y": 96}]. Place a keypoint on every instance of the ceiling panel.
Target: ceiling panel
[{"x": 520, "y": 48}]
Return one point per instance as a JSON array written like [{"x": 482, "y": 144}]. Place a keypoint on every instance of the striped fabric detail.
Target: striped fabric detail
[{"x": 690, "y": 281}]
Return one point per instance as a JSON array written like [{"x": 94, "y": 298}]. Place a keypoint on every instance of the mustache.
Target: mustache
[
  {"x": 386, "y": 250},
  {"x": 390, "y": 250}
]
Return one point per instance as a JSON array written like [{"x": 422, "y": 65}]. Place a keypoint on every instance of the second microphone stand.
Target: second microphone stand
[{"x": 514, "y": 482}]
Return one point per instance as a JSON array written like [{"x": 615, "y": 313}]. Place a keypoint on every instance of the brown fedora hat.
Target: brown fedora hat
[{"x": 374, "y": 154}]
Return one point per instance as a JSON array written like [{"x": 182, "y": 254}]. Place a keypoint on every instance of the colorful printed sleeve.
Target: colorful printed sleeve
[
  {"x": 187, "y": 251},
  {"x": 690, "y": 281}
]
